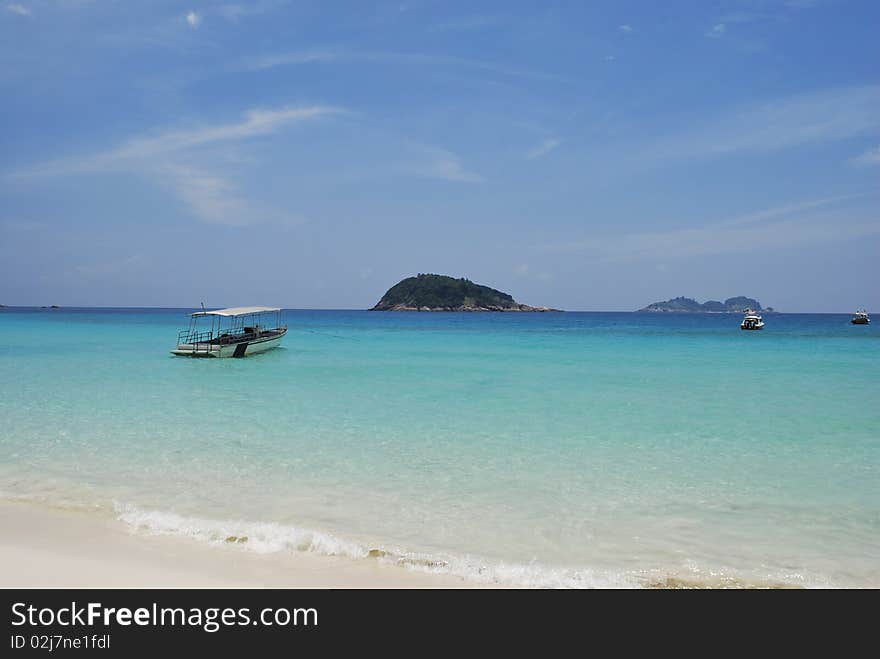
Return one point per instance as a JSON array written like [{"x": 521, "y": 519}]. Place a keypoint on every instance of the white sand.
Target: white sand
[{"x": 50, "y": 547}]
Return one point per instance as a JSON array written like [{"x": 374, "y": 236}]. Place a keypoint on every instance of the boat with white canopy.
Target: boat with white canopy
[
  {"x": 233, "y": 332},
  {"x": 752, "y": 321}
]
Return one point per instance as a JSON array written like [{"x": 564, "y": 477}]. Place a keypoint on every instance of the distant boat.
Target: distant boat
[
  {"x": 860, "y": 318},
  {"x": 234, "y": 332},
  {"x": 752, "y": 321}
]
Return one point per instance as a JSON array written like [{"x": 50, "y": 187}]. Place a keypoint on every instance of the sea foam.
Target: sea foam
[{"x": 270, "y": 538}]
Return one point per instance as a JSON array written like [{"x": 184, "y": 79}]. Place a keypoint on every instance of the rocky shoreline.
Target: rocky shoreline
[
  {"x": 431, "y": 293},
  {"x": 517, "y": 308},
  {"x": 737, "y": 304}
]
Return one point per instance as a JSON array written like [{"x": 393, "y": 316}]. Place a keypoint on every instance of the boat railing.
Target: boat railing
[
  {"x": 198, "y": 340},
  {"x": 206, "y": 340}
]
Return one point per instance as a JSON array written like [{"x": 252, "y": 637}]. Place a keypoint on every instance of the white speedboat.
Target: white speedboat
[
  {"x": 752, "y": 321},
  {"x": 860, "y": 318},
  {"x": 234, "y": 332}
]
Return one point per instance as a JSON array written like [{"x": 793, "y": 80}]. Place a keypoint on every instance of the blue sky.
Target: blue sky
[{"x": 595, "y": 156}]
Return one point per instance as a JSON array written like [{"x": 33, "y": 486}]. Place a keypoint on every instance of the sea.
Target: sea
[{"x": 560, "y": 450}]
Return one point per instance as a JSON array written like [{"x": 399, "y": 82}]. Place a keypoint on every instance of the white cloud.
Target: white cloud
[
  {"x": 524, "y": 270},
  {"x": 305, "y": 57},
  {"x": 284, "y": 59},
  {"x": 167, "y": 33},
  {"x": 625, "y": 29},
  {"x": 110, "y": 268},
  {"x": 788, "y": 209},
  {"x": 22, "y": 225},
  {"x": 21, "y": 10},
  {"x": 466, "y": 24},
  {"x": 209, "y": 197},
  {"x": 431, "y": 162},
  {"x": 717, "y": 31},
  {"x": 812, "y": 118},
  {"x": 215, "y": 199},
  {"x": 235, "y": 11},
  {"x": 232, "y": 12},
  {"x": 869, "y": 157},
  {"x": 543, "y": 149},
  {"x": 746, "y": 233},
  {"x": 255, "y": 123},
  {"x": 609, "y": 58},
  {"x": 447, "y": 166}
]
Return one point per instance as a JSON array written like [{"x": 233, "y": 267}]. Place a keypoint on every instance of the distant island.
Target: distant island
[
  {"x": 737, "y": 304},
  {"x": 426, "y": 292}
]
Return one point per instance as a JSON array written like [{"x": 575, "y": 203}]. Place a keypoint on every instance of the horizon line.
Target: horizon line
[{"x": 283, "y": 308}]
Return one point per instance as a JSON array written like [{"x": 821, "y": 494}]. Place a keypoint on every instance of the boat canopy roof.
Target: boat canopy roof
[{"x": 236, "y": 311}]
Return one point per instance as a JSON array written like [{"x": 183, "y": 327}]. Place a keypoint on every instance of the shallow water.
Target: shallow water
[{"x": 574, "y": 449}]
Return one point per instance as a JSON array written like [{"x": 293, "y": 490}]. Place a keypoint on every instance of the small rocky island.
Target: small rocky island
[
  {"x": 737, "y": 304},
  {"x": 441, "y": 293}
]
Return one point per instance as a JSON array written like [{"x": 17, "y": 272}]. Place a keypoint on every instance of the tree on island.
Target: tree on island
[
  {"x": 737, "y": 304},
  {"x": 430, "y": 292}
]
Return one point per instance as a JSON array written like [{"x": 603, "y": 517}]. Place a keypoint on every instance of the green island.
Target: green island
[
  {"x": 737, "y": 304},
  {"x": 427, "y": 292}
]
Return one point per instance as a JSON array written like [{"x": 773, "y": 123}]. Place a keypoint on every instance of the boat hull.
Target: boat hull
[
  {"x": 860, "y": 321},
  {"x": 241, "y": 349}
]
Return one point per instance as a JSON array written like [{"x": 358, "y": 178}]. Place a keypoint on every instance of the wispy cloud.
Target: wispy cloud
[
  {"x": 624, "y": 29},
  {"x": 22, "y": 225},
  {"x": 208, "y": 196},
  {"x": 788, "y": 209},
  {"x": 263, "y": 62},
  {"x": 812, "y": 118},
  {"x": 717, "y": 31},
  {"x": 438, "y": 163},
  {"x": 255, "y": 123},
  {"x": 781, "y": 227},
  {"x": 215, "y": 199},
  {"x": 742, "y": 17},
  {"x": 466, "y": 24},
  {"x": 744, "y": 13},
  {"x": 193, "y": 20},
  {"x": 236, "y": 11},
  {"x": 543, "y": 148},
  {"x": 869, "y": 157},
  {"x": 525, "y": 270},
  {"x": 15, "y": 8},
  {"x": 109, "y": 268},
  {"x": 271, "y": 60}
]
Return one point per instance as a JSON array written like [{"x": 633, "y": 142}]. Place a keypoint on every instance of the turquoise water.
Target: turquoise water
[{"x": 575, "y": 449}]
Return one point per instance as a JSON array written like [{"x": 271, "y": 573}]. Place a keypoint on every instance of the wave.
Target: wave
[{"x": 270, "y": 537}]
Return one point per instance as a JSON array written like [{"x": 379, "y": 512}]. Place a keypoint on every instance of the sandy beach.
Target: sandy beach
[{"x": 46, "y": 547}]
